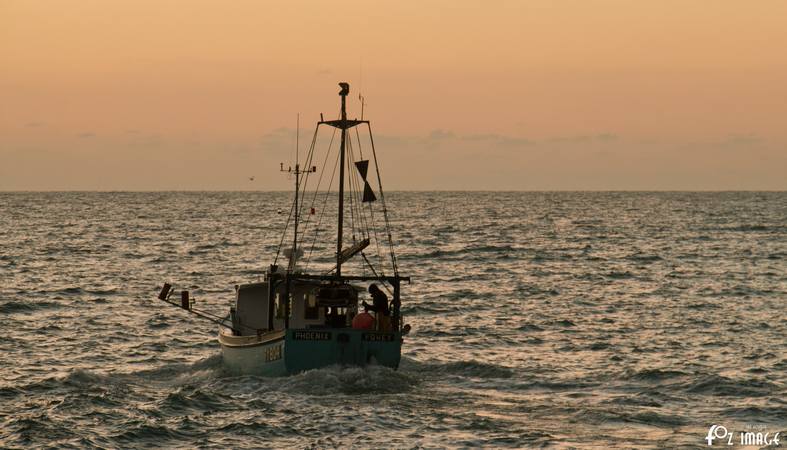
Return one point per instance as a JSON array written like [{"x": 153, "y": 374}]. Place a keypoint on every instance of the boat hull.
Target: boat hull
[
  {"x": 260, "y": 355},
  {"x": 297, "y": 350}
]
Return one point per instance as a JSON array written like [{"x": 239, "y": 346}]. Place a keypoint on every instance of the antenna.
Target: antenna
[
  {"x": 297, "y": 172},
  {"x": 360, "y": 84}
]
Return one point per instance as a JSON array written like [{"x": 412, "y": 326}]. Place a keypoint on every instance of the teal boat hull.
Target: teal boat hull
[
  {"x": 312, "y": 349},
  {"x": 298, "y": 350}
]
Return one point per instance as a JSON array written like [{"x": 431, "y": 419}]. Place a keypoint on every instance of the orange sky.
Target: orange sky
[{"x": 545, "y": 94}]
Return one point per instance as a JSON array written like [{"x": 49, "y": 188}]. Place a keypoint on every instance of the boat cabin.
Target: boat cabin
[{"x": 312, "y": 305}]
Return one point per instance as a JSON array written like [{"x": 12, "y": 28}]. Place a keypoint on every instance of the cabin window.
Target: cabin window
[
  {"x": 279, "y": 307},
  {"x": 311, "y": 311}
]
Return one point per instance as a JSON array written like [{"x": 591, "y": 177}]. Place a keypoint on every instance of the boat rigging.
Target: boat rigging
[{"x": 307, "y": 315}]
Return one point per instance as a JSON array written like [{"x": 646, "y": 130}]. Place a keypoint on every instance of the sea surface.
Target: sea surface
[{"x": 540, "y": 320}]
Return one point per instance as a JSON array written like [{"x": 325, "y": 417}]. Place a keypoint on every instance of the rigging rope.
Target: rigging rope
[
  {"x": 360, "y": 222},
  {"x": 382, "y": 199},
  {"x": 310, "y": 160},
  {"x": 283, "y": 233},
  {"x": 322, "y": 210},
  {"x": 350, "y": 178}
]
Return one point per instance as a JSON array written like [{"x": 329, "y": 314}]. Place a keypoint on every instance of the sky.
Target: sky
[{"x": 476, "y": 95}]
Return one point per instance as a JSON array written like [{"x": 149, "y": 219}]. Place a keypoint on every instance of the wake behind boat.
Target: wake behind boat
[{"x": 297, "y": 319}]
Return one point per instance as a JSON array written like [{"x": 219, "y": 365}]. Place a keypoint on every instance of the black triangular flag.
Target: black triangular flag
[
  {"x": 368, "y": 194},
  {"x": 363, "y": 167}
]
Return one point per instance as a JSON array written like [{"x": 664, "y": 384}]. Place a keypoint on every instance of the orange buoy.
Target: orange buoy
[{"x": 363, "y": 321}]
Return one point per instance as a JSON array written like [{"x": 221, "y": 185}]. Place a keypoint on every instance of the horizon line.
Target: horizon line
[{"x": 42, "y": 191}]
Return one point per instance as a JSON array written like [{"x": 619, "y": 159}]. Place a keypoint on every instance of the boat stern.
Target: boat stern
[{"x": 307, "y": 349}]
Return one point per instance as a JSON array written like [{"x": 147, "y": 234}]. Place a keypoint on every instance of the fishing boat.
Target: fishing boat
[{"x": 304, "y": 314}]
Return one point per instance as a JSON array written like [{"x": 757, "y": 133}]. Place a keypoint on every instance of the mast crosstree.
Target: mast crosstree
[{"x": 343, "y": 124}]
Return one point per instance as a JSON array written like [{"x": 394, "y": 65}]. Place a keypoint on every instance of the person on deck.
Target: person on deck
[{"x": 380, "y": 307}]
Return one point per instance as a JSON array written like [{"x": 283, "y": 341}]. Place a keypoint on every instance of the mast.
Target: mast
[
  {"x": 343, "y": 93},
  {"x": 297, "y": 187},
  {"x": 343, "y": 124}
]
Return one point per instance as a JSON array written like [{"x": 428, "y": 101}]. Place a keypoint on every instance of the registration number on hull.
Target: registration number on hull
[{"x": 273, "y": 353}]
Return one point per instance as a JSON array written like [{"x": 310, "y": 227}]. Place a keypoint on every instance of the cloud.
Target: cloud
[
  {"x": 34, "y": 124},
  {"x": 741, "y": 140},
  {"x": 440, "y": 135},
  {"x": 279, "y": 140},
  {"x": 499, "y": 139},
  {"x": 606, "y": 137},
  {"x": 384, "y": 140},
  {"x": 440, "y": 139},
  {"x": 138, "y": 139},
  {"x": 586, "y": 138},
  {"x": 730, "y": 143},
  {"x": 86, "y": 135}
]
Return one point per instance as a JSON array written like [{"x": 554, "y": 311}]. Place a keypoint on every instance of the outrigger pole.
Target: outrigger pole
[{"x": 186, "y": 303}]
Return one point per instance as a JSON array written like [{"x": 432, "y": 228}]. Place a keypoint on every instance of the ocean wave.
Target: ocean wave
[
  {"x": 192, "y": 399},
  {"x": 465, "y": 294},
  {"x": 565, "y": 323},
  {"x": 470, "y": 368},
  {"x": 755, "y": 228},
  {"x": 643, "y": 258},
  {"x": 557, "y": 385},
  {"x": 483, "y": 249},
  {"x": 421, "y": 309},
  {"x": 620, "y": 275},
  {"x": 638, "y": 400},
  {"x": 70, "y": 291},
  {"x": 150, "y": 435},
  {"x": 655, "y": 375},
  {"x": 720, "y": 386},
  {"x": 650, "y": 418},
  {"x": 758, "y": 414},
  {"x": 533, "y": 290},
  {"x": 202, "y": 249},
  {"x": 656, "y": 419},
  {"x": 85, "y": 381},
  {"x": 598, "y": 346},
  {"x": 33, "y": 430},
  {"x": 529, "y": 327},
  {"x": 347, "y": 380},
  {"x": 12, "y": 306},
  {"x": 209, "y": 368}
]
